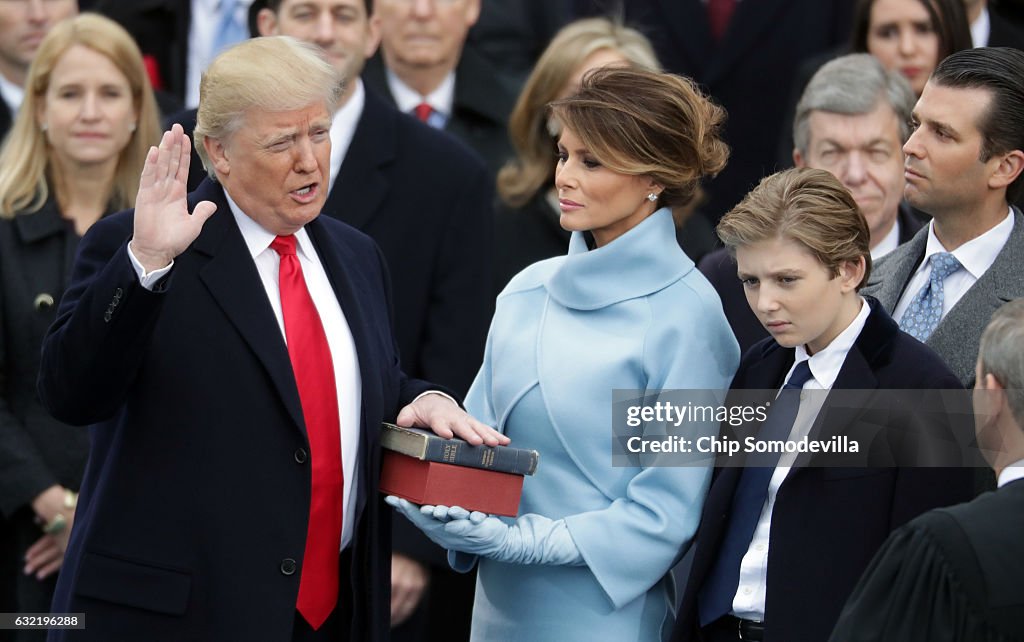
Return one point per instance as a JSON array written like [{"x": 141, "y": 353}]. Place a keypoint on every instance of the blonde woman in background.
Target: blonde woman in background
[
  {"x": 74, "y": 154},
  {"x": 526, "y": 223}
]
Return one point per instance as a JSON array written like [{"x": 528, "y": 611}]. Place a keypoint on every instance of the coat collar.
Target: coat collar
[
  {"x": 642, "y": 261},
  {"x": 231, "y": 276},
  {"x": 41, "y": 224}
]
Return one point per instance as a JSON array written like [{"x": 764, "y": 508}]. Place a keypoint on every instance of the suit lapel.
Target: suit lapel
[
  {"x": 856, "y": 374},
  {"x": 231, "y": 277},
  {"x": 964, "y": 323},
  {"x": 362, "y": 183},
  {"x": 894, "y": 271}
]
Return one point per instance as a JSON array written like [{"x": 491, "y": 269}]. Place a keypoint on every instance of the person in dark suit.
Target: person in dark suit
[
  {"x": 232, "y": 353},
  {"x": 22, "y": 27},
  {"x": 747, "y": 68},
  {"x": 89, "y": 79},
  {"x": 425, "y": 69},
  {"x": 780, "y": 547},
  {"x": 964, "y": 165},
  {"x": 852, "y": 120},
  {"x": 953, "y": 574}
]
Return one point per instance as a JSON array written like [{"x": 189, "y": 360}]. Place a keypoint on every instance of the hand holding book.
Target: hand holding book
[{"x": 529, "y": 539}]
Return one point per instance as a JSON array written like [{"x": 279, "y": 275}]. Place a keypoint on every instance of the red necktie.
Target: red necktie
[
  {"x": 314, "y": 376},
  {"x": 719, "y": 14},
  {"x": 423, "y": 111}
]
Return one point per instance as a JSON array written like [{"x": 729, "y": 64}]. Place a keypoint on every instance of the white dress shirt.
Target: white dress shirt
[
  {"x": 976, "y": 256},
  {"x": 981, "y": 29},
  {"x": 11, "y": 94},
  {"x": 441, "y": 100},
  {"x": 343, "y": 128},
  {"x": 1011, "y": 473},
  {"x": 749, "y": 600},
  {"x": 889, "y": 242},
  {"x": 339, "y": 338}
]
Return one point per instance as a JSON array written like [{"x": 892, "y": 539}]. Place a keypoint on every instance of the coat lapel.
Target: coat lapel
[
  {"x": 856, "y": 374},
  {"x": 362, "y": 183},
  {"x": 893, "y": 272},
  {"x": 964, "y": 323},
  {"x": 231, "y": 277}
]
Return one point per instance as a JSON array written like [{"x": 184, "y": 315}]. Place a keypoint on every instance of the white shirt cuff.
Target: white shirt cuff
[
  {"x": 148, "y": 280},
  {"x": 435, "y": 392}
]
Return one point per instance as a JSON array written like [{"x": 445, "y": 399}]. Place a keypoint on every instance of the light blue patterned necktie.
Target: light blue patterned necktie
[
  {"x": 925, "y": 311},
  {"x": 230, "y": 30}
]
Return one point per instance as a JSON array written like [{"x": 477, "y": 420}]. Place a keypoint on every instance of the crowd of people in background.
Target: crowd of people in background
[{"x": 549, "y": 200}]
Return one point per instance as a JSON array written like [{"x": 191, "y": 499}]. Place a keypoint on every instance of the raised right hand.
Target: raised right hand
[{"x": 163, "y": 225}]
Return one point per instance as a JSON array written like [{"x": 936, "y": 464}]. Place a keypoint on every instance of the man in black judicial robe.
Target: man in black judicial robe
[{"x": 954, "y": 574}]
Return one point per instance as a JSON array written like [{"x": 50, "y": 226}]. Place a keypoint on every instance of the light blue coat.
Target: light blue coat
[{"x": 567, "y": 331}]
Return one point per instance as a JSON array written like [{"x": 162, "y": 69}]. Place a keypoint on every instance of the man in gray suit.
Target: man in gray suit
[{"x": 963, "y": 166}]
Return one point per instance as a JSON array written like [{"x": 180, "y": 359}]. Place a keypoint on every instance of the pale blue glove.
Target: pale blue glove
[
  {"x": 530, "y": 539},
  {"x": 429, "y": 519}
]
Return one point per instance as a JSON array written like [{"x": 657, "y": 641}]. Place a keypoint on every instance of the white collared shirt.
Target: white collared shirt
[
  {"x": 1011, "y": 473},
  {"x": 889, "y": 242},
  {"x": 11, "y": 94},
  {"x": 976, "y": 256},
  {"x": 343, "y": 127},
  {"x": 981, "y": 29},
  {"x": 441, "y": 100},
  {"x": 751, "y": 592},
  {"x": 339, "y": 338},
  {"x": 205, "y": 19}
]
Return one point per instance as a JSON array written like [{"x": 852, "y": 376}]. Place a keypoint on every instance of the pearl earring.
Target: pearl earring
[
  {"x": 44, "y": 127},
  {"x": 132, "y": 127},
  {"x": 652, "y": 197}
]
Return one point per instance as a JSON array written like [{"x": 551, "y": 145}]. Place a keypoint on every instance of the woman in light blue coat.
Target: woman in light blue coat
[{"x": 589, "y": 556}]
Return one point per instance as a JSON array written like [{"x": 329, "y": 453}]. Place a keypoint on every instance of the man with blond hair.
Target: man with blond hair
[{"x": 231, "y": 351}]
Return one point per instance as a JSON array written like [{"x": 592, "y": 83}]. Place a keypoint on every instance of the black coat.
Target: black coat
[
  {"x": 36, "y": 450},
  {"x": 827, "y": 523},
  {"x": 193, "y": 512},
  {"x": 951, "y": 575},
  {"x": 480, "y": 109},
  {"x": 6, "y": 119}
]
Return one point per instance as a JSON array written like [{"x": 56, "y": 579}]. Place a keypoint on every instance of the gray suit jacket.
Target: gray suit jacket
[{"x": 957, "y": 335}]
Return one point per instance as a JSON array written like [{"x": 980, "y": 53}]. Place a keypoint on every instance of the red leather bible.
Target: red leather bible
[{"x": 431, "y": 482}]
